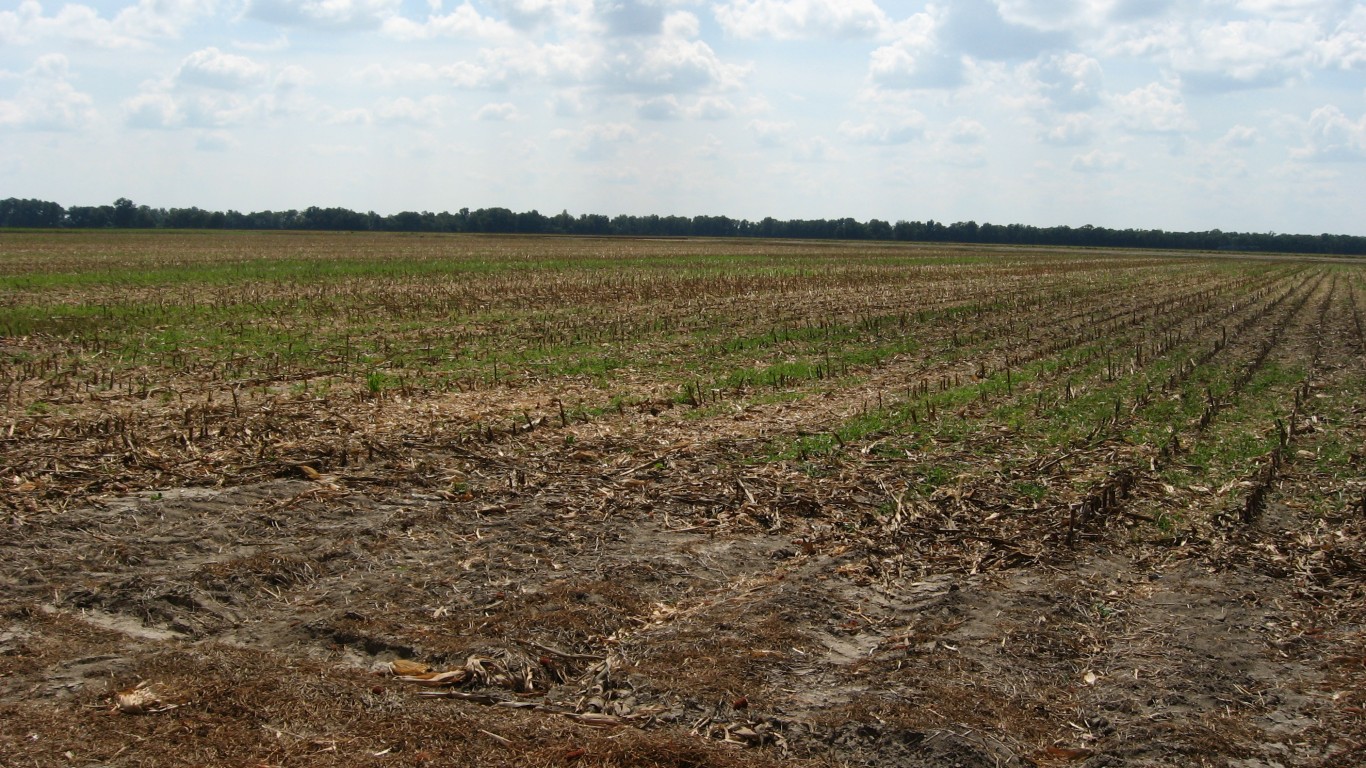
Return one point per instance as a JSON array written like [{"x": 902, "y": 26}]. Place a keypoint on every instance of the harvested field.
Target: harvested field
[{"x": 295, "y": 499}]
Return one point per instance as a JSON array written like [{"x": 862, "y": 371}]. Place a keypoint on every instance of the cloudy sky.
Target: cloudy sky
[{"x": 1233, "y": 114}]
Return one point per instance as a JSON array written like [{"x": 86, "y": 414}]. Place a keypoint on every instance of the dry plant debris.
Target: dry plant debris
[
  {"x": 140, "y": 699},
  {"x": 399, "y": 500}
]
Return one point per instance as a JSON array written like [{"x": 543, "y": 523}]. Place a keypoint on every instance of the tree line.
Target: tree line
[{"x": 125, "y": 214}]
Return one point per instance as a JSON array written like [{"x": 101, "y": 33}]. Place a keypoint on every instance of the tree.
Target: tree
[
  {"x": 125, "y": 213},
  {"x": 188, "y": 218},
  {"x": 30, "y": 213},
  {"x": 562, "y": 223},
  {"x": 593, "y": 224},
  {"x": 90, "y": 216},
  {"x": 531, "y": 222},
  {"x": 492, "y": 220},
  {"x": 850, "y": 229},
  {"x": 404, "y": 221},
  {"x": 15, "y": 212}
]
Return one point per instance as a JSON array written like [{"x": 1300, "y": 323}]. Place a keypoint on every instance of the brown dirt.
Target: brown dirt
[
  {"x": 638, "y": 590},
  {"x": 262, "y": 612}
]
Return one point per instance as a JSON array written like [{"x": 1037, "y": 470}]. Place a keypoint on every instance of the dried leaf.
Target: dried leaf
[
  {"x": 596, "y": 719},
  {"x": 404, "y": 667},
  {"x": 451, "y": 677},
  {"x": 141, "y": 699},
  {"x": 743, "y": 732}
]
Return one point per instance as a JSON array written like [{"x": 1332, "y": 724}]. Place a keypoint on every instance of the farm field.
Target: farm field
[{"x": 298, "y": 499}]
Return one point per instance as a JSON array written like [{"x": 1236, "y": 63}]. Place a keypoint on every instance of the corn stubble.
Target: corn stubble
[{"x": 304, "y": 499}]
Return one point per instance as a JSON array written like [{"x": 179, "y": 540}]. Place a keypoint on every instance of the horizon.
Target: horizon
[{"x": 126, "y": 214}]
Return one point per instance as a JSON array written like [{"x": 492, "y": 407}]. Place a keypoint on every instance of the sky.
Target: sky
[{"x": 1241, "y": 115}]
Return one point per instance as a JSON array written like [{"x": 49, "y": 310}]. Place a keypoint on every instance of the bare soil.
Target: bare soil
[
  {"x": 266, "y": 615},
  {"x": 641, "y": 589}
]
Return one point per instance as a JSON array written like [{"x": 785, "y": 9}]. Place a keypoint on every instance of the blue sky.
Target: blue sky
[{"x": 1232, "y": 114}]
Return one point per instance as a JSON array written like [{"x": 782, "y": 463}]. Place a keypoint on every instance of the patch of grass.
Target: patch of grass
[{"x": 378, "y": 381}]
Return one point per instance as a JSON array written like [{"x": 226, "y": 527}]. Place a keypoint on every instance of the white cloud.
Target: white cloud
[
  {"x": 710, "y": 148},
  {"x": 217, "y": 109},
  {"x": 798, "y": 19},
  {"x": 46, "y": 100},
  {"x": 464, "y": 21},
  {"x": 1297, "y": 9},
  {"x": 915, "y": 58},
  {"x": 153, "y": 110},
  {"x": 162, "y": 18},
  {"x": 961, "y": 144},
  {"x": 681, "y": 24},
  {"x": 670, "y": 107},
  {"x": 404, "y": 74},
  {"x": 214, "y": 89},
  {"x": 976, "y": 28},
  {"x": 355, "y": 116},
  {"x": 1146, "y": 39},
  {"x": 1345, "y": 46},
  {"x": 1215, "y": 48},
  {"x": 337, "y": 150},
  {"x": 131, "y": 27},
  {"x": 495, "y": 69},
  {"x": 278, "y": 43},
  {"x": 1138, "y": 10},
  {"x": 1052, "y": 15},
  {"x": 712, "y": 108},
  {"x": 961, "y": 157},
  {"x": 336, "y": 14},
  {"x": 967, "y": 131},
  {"x": 1239, "y": 136},
  {"x": 1330, "y": 135},
  {"x": 614, "y": 51},
  {"x": 1070, "y": 131},
  {"x": 668, "y": 65},
  {"x": 936, "y": 49},
  {"x": 1070, "y": 81},
  {"x": 211, "y": 68},
  {"x": 76, "y": 23},
  {"x": 425, "y": 111},
  {"x": 660, "y": 108},
  {"x": 1098, "y": 161},
  {"x": 599, "y": 141},
  {"x": 291, "y": 77},
  {"x": 770, "y": 133},
  {"x": 1155, "y": 108},
  {"x": 567, "y": 102},
  {"x": 215, "y": 141},
  {"x": 899, "y": 131},
  {"x": 531, "y": 15},
  {"x": 1245, "y": 54},
  {"x": 501, "y": 112},
  {"x": 629, "y": 18},
  {"x": 813, "y": 150}
]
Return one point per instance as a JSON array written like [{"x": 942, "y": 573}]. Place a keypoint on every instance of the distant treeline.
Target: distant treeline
[{"x": 124, "y": 213}]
